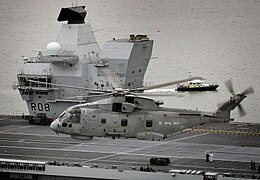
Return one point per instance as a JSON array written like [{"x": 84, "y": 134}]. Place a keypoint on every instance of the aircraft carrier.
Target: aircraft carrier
[
  {"x": 36, "y": 152},
  {"x": 235, "y": 148},
  {"x": 74, "y": 70}
]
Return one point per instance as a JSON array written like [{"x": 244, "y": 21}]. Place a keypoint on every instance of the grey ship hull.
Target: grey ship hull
[{"x": 76, "y": 60}]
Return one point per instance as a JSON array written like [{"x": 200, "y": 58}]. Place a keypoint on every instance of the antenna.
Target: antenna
[
  {"x": 76, "y": 4},
  {"x": 98, "y": 30},
  {"x": 190, "y": 75}
]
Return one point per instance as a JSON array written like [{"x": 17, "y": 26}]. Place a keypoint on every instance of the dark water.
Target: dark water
[{"x": 218, "y": 40}]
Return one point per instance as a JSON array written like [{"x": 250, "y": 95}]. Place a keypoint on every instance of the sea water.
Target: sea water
[{"x": 218, "y": 40}]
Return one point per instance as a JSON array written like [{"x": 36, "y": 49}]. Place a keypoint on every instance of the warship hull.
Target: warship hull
[{"x": 70, "y": 71}]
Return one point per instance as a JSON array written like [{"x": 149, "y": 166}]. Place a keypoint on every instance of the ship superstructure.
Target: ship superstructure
[{"x": 48, "y": 81}]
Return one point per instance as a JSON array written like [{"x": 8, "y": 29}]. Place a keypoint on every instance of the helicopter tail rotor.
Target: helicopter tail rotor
[
  {"x": 235, "y": 100},
  {"x": 241, "y": 110},
  {"x": 229, "y": 86},
  {"x": 248, "y": 91}
]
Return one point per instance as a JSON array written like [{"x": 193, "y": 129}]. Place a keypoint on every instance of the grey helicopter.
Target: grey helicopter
[{"x": 123, "y": 114}]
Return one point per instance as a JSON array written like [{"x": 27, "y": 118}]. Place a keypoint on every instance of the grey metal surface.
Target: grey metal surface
[
  {"x": 19, "y": 140},
  {"x": 78, "y": 61}
]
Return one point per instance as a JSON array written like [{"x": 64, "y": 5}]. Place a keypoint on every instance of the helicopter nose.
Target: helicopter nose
[{"x": 54, "y": 125}]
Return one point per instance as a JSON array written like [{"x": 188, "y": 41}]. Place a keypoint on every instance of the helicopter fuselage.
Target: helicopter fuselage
[{"x": 129, "y": 117}]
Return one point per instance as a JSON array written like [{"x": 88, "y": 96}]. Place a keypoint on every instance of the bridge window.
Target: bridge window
[
  {"x": 124, "y": 122},
  {"x": 43, "y": 80},
  {"x": 149, "y": 123}
]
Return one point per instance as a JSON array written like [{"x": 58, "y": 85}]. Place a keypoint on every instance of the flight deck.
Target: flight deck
[{"x": 233, "y": 145}]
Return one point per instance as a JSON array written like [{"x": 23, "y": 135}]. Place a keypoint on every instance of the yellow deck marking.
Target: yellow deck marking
[{"x": 248, "y": 133}]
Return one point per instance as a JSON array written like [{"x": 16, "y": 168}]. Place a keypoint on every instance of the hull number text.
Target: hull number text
[{"x": 40, "y": 107}]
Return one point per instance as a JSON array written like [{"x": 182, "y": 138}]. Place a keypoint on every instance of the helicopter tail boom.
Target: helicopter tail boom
[{"x": 234, "y": 101}]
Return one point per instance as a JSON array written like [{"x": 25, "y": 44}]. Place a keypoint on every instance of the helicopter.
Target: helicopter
[{"x": 125, "y": 115}]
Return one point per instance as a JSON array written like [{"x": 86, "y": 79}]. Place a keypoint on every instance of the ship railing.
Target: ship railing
[
  {"x": 148, "y": 83},
  {"x": 33, "y": 86},
  {"x": 41, "y": 53},
  {"x": 15, "y": 115},
  {"x": 93, "y": 60},
  {"x": 15, "y": 85},
  {"x": 21, "y": 165},
  {"x": 66, "y": 97},
  {"x": 45, "y": 72},
  {"x": 62, "y": 53},
  {"x": 41, "y": 82}
]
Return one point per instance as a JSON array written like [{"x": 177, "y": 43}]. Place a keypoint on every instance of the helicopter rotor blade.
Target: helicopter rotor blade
[
  {"x": 241, "y": 110},
  {"x": 220, "y": 104},
  {"x": 111, "y": 76},
  {"x": 90, "y": 96},
  {"x": 67, "y": 86},
  {"x": 159, "y": 94},
  {"x": 229, "y": 86},
  {"x": 167, "y": 84},
  {"x": 249, "y": 90}
]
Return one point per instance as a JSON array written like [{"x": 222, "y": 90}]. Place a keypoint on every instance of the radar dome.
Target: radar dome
[{"x": 53, "y": 48}]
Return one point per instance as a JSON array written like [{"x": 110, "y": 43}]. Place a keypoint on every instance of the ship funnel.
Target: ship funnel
[{"x": 74, "y": 15}]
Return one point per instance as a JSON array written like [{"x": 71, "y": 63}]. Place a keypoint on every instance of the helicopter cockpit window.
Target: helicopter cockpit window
[
  {"x": 75, "y": 112},
  {"x": 72, "y": 115},
  {"x": 62, "y": 115},
  {"x": 66, "y": 117},
  {"x": 149, "y": 123},
  {"x": 117, "y": 107},
  {"x": 75, "y": 118}
]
